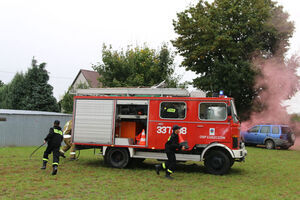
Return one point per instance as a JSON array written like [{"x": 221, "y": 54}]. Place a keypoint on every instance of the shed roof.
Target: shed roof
[{"x": 30, "y": 112}]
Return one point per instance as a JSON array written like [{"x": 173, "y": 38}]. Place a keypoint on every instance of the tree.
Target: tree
[
  {"x": 39, "y": 94},
  {"x": 218, "y": 41},
  {"x": 1, "y": 84},
  {"x": 139, "y": 66},
  {"x": 12, "y": 94},
  {"x": 3, "y": 97},
  {"x": 67, "y": 101},
  {"x": 29, "y": 91}
]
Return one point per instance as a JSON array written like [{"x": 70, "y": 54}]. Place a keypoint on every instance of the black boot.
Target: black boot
[
  {"x": 157, "y": 168},
  {"x": 44, "y": 165},
  {"x": 54, "y": 172},
  {"x": 168, "y": 176},
  {"x": 62, "y": 154}
]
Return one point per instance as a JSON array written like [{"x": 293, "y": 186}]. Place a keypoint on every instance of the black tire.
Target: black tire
[
  {"x": 117, "y": 157},
  {"x": 269, "y": 144},
  {"x": 217, "y": 162},
  {"x": 231, "y": 162}
]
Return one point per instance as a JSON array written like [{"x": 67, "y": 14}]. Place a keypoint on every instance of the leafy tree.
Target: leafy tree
[
  {"x": 39, "y": 94},
  {"x": 16, "y": 92},
  {"x": 3, "y": 94},
  {"x": 29, "y": 91},
  {"x": 67, "y": 101},
  {"x": 139, "y": 66},
  {"x": 1, "y": 84},
  {"x": 3, "y": 97},
  {"x": 295, "y": 118},
  {"x": 12, "y": 94},
  {"x": 218, "y": 41}
]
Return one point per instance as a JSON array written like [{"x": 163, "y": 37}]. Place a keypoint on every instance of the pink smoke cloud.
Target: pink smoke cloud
[{"x": 277, "y": 82}]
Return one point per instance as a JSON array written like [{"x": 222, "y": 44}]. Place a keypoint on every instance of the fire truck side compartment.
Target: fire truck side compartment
[{"x": 94, "y": 121}]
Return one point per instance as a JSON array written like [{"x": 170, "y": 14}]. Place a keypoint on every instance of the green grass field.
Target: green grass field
[{"x": 266, "y": 174}]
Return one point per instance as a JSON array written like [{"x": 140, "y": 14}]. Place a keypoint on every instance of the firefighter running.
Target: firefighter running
[
  {"x": 67, "y": 140},
  {"x": 170, "y": 147},
  {"x": 54, "y": 139}
]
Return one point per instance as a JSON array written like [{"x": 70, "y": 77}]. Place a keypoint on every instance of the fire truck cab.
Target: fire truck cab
[{"x": 130, "y": 127}]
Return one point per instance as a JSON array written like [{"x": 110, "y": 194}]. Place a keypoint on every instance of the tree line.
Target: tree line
[
  {"x": 29, "y": 91},
  {"x": 218, "y": 41}
]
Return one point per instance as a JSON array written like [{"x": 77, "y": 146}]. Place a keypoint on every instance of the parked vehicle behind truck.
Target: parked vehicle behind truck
[
  {"x": 270, "y": 135},
  {"x": 114, "y": 123}
]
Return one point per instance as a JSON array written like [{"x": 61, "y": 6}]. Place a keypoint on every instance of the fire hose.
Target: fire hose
[{"x": 36, "y": 150}]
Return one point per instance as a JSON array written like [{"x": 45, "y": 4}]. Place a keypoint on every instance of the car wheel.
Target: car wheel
[
  {"x": 217, "y": 162},
  {"x": 117, "y": 157},
  {"x": 270, "y": 144}
]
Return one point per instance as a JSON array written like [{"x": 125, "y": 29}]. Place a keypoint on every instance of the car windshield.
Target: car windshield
[{"x": 286, "y": 130}]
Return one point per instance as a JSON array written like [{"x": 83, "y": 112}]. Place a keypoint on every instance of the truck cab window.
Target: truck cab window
[
  {"x": 172, "y": 110},
  {"x": 213, "y": 111}
]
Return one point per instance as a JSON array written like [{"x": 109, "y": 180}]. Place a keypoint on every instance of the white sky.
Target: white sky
[{"x": 68, "y": 34}]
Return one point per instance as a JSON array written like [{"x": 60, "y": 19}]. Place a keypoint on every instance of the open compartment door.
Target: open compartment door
[{"x": 93, "y": 121}]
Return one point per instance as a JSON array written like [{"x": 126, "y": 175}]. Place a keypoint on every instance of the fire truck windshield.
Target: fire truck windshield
[{"x": 234, "y": 113}]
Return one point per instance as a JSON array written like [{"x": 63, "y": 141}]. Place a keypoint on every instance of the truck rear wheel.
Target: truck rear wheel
[
  {"x": 217, "y": 162},
  {"x": 117, "y": 157}
]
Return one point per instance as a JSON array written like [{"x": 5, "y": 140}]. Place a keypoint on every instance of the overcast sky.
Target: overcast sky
[{"x": 68, "y": 34}]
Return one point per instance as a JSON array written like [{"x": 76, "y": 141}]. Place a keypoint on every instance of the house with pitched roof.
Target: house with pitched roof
[{"x": 88, "y": 78}]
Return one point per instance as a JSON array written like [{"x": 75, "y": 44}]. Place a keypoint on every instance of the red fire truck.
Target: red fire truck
[{"x": 112, "y": 119}]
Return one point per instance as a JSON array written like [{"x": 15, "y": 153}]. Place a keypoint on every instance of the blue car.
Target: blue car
[{"x": 271, "y": 136}]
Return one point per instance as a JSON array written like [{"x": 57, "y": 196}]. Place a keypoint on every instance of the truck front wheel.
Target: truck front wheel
[
  {"x": 117, "y": 157},
  {"x": 217, "y": 162}
]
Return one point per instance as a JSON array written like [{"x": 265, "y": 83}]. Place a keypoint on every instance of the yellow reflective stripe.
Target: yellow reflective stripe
[
  {"x": 163, "y": 165},
  {"x": 55, "y": 163},
  {"x": 169, "y": 171},
  {"x": 169, "y": 138},
  {"x": 57, "y": 131},
  {"x": 172, "y": 110},
  {"x": 45, "y": 159}
]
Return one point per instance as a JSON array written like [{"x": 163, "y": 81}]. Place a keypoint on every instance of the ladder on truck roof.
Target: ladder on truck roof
[{"x": 162, "y": 92}]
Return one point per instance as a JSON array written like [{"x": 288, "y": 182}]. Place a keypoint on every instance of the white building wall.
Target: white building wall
[{"x": 80, "y": 80}]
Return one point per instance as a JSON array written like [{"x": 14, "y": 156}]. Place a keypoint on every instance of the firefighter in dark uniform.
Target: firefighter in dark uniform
[
  {"x": 170, "y": 147},
  {"x": 54, "y": 139}
]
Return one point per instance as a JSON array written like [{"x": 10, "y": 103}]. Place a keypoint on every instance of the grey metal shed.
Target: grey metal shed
[{"x": 27, "y": 128}]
